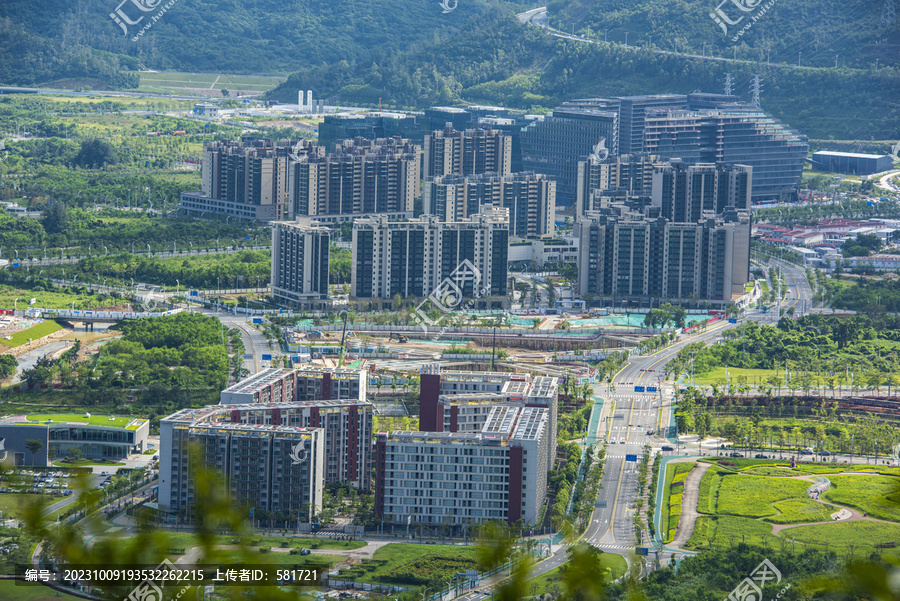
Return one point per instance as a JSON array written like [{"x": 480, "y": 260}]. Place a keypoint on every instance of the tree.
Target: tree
[
  {"x": 96, "y": 152},
  {"x": 34, "y": 445},
  {"x": 56, "y": 217},
  {"x": 225, "y": 92}
]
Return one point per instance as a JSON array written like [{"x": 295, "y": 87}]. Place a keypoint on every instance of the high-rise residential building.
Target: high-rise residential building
[
  {"x": 361, "y": 177},
  {"x": 467, "y": 152},
  {"x": 739, "y": 135},
  {"x": 453, "y": 479},
  {"x": 530, "y": 199},
  {"x": 340, "y": 383},
  {"x": 460, "y": 401},
  {"x": 554, "y": 144},
  {"x": 271, "y": 385},
  {"x": 684, "y": 193},
  {"x": 629, "y": 258},
  {"x": 246, "y": 180},
  {"x": 347, "y": 428},
  {"x": 413, "y": 258},
  {"x": 265, "y": 467},
  {"x": 631, "y": 175},
  {"x": 437, "y": 118},
  {"x": 300, "y": 255}
]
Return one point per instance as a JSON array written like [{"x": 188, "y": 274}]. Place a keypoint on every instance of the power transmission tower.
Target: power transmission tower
[
  {"x": 755, "y": 89},
  {"x": 728, "y": 84},
  {"x": 888, "y": 14}
]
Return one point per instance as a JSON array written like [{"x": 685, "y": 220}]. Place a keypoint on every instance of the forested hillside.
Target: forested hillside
[
  {"x": 499, "y": 61},
  {"x": 819, "y": 30}
]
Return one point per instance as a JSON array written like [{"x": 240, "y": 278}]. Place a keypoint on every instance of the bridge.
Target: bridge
[{"x": 91, "y": 317}]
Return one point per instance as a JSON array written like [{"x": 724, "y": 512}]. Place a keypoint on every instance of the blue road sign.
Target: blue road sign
[
  {"x": 630, "y": 457},
  {"x": 651, "y": 389},
  {"x": 732, "y": 320},
  {"x": 642, "y": 550},
  {"x": 639, "y": 389},
  {"x": 267, "y": 357},
  {"x": 194, "y": 293},
  {"x": 257, "y": 320},
  {"x": 15, "y": 264}
]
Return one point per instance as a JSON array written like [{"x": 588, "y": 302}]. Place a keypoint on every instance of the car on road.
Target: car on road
[
  {"x": 649, "y": 432},
  {"x": 824, "y": 453},
  {"x": 666, "y": 447},
  {"x": 736, "y": 454},
  {"x": 305, "y": 551},
  {"x": 806, "y": 452},
  {"x": 760, "y": 456}
]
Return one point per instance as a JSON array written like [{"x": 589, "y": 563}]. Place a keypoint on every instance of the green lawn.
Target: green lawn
[
  {"x": 613, "y": 568},
  {"x": 879, "y": 496},
  {"x": 727, "y": 530},
  {"x": 717, "y": 376},
  {"x": 84, "y": 463},
  {"x": 14, "y": 503},
  {"x": 864, "y": 536},
  {"x": 45, "y": 300},
  {"x": 405, "y": 564},
  {"x": 800, "y": 511},
  {"x": 189, "y": 539},
  {"x": 79, "y": 418},
  {"x": 30, "y": 592},
  {"x": 671, "y": 503},
  {"x": 33, "y": 333},
  {"x": 753, "y": 496}
]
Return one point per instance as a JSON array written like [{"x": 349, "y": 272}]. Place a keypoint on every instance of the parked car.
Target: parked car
[{"x": 666, "y": 447}]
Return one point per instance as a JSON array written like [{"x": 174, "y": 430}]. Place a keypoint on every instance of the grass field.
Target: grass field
[
  {"x": 14, "y": 503},
  {"x": 33, "y": 333},
  {"x": 406, "y": 564},
  {"x": 800, "y": 511},
  {"x": 613, "y": 568},
  {"x": 10, "y": 589},
  {"x": 717, "y": 376},
  {"x": 93, "y": 420},
  {"x": 180, "y": 81},
  {"x": 879, "y": 496},
  {"x": 45, "y": 300},
  {"x": 729, "y": 530},
  {"x": 189, "y": 539},
  {"x": 840, "y": 536},
  {"x": 671, "y": 504},
  {"x": 753, "y": 496}
]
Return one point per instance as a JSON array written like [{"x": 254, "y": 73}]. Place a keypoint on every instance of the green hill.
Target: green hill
[{"x": 496, "y": 60}]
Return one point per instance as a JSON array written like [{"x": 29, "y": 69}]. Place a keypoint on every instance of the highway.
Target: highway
[{"x": 631, "y": 420}]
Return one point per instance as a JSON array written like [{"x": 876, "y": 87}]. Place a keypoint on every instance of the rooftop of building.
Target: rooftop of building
[
  {"x": 258, "y": 381},
  {"x": 74, "y": 419},
  {"x": 850, "y": 155}
]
